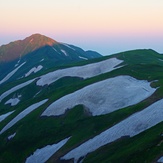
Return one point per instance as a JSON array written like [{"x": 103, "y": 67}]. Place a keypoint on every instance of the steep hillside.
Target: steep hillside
[{"x": 107, "y": 109}]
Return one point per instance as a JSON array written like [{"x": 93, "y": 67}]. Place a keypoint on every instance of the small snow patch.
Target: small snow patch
[
  {"x": 37, "y": 94},
  {"x": 23, "y": 114},
  {"x": 11, "y": 136},
  {"x": 13, "y": 101},
  {"x": 3, "y": 116},
  {"x": 64, "y": 52},
  {"x": 17, "y": 63},
  {"x": 70, "y": 47},
  {"x": 42, "y": 60},
  {"x": 83, "y": 58},
  {"x": 54, "y": 49},
  {"x": 43, "y": 154},
  {"x": 131, "y": 126},
  {"x": 19, "y": 96},
  {"x": 34, "y": 70}
]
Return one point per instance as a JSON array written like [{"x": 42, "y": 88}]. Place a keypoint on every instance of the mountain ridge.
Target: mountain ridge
[{"x": 17, "y": 49}]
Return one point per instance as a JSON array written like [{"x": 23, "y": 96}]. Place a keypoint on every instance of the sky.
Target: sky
[{"x": 105, "y": 26}]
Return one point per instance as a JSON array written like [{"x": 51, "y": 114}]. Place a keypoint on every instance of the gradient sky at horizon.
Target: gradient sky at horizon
[{"x": 106, "y": 26}]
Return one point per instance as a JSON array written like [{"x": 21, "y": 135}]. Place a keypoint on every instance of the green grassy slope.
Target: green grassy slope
[{"x": 34, "y": 132}]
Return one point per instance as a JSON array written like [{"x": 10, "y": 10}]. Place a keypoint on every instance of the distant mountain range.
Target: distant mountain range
[{"x": 60, "y": 104}]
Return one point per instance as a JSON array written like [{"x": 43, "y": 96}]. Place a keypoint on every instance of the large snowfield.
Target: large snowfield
[
  {"x": 23, "y": 114},
  {"x": 104, "y": 97},
  {"x": 43, "y": 154},
  {"x": 131, "y": 126},
  {"x": 86, "y": 71}
]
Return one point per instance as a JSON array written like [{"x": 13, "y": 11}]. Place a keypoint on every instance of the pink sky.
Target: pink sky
[{"x": 107, "y": 26}]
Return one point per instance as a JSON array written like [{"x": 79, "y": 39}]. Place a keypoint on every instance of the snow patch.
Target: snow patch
[
  {"x": 104, "y": 97},
  {"x": 19, "y": 96},
  {"x": 11, "y": 74},
  {"x": 43, "y": 154},
  {"x": 86, "y": 71},
  {"x": 70, "y": 47},
  {"x": 38, "y": 68},
  {"x": 42, "y": 60},
  {"x": 54, "y": 49},
  {"x": 5, "y": 94},
  {"x": 3, "y": 116},
  {"x": 23, "y": 114},
  {"x": 64, "y": 52},
  {"x": 83, "y": 58},
  {"x": 31, "y": 40},
  {"x": 11, "y": 136},
  {"x": 17, "y": 63},
  {"x": 37, "y": 94},
  {"x": 13, "y": 101},
  {"x": 131, "y": 126},
  {"x": 160, "y": 160},
  {"x": 34, "y": 70}
]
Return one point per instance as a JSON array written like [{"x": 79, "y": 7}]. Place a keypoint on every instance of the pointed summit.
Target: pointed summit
[
  {"x": 40, "y": 39},
  {"x": 20, "y": 48}
]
